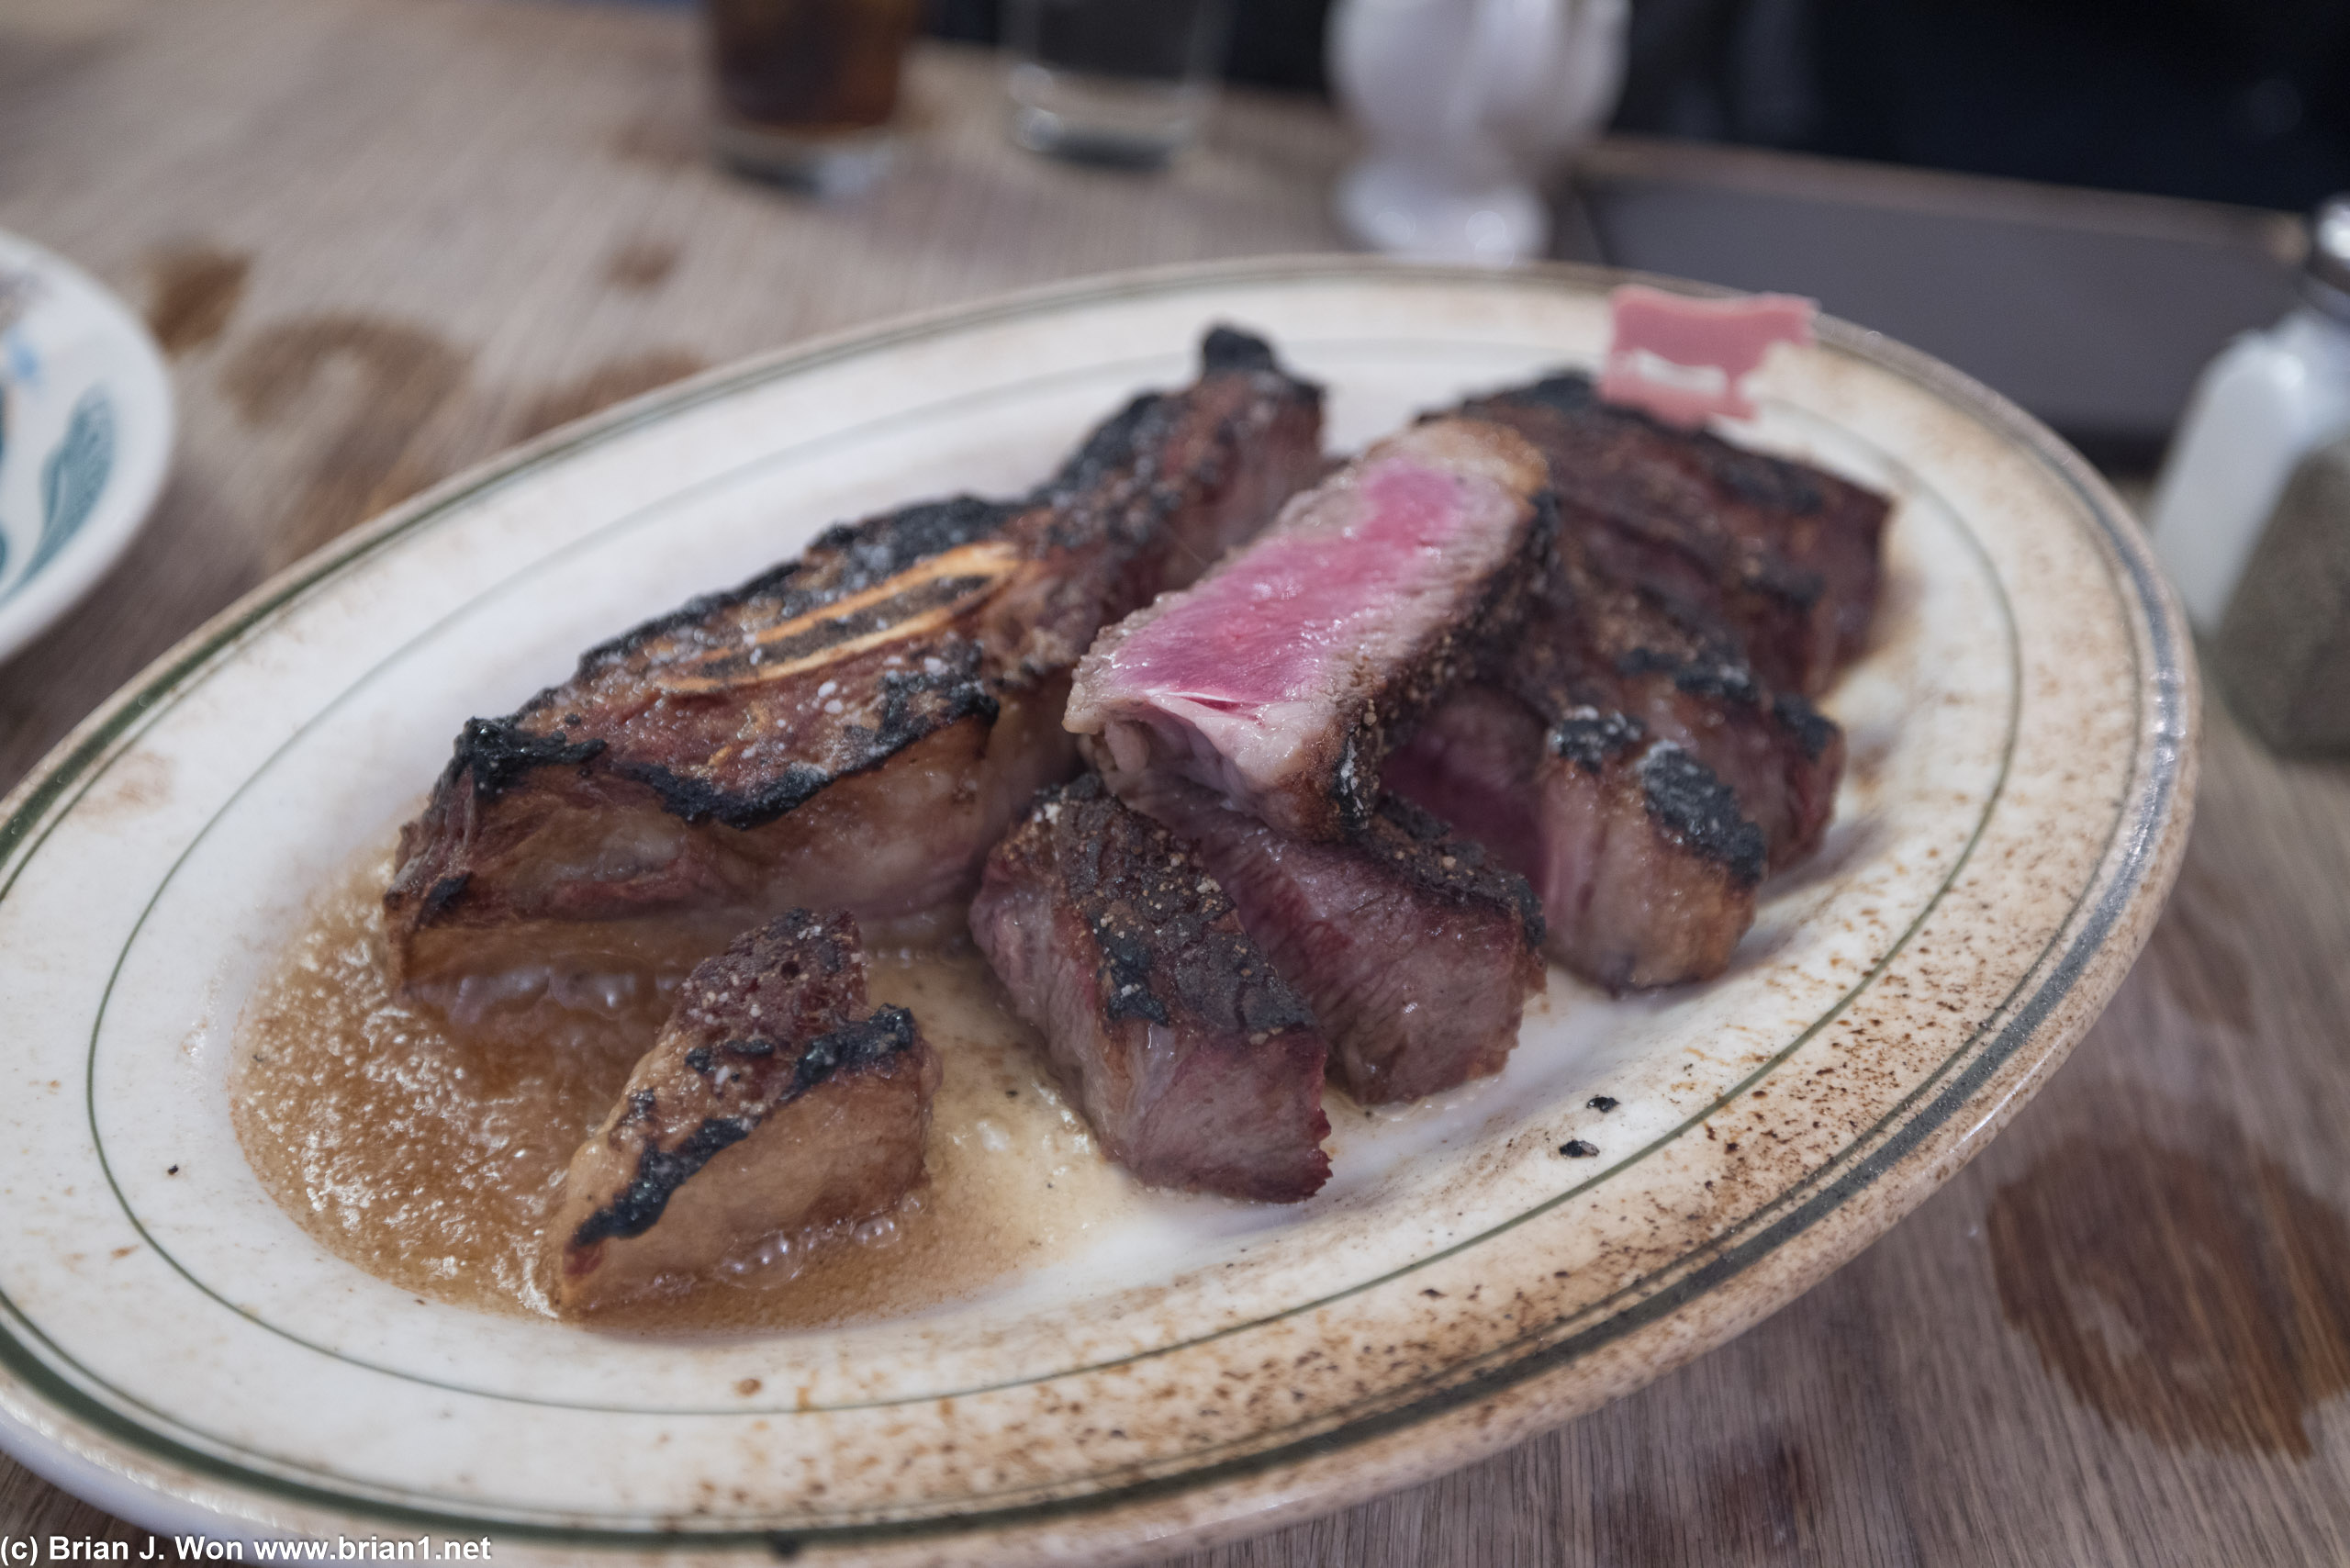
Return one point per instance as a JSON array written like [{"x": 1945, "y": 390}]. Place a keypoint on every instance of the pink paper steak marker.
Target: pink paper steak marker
[{"x": 1657, "y": 335}]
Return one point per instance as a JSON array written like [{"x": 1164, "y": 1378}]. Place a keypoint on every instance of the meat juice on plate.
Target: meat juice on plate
[
  {"x": 424, "y": 1144},
  {"x": 424, "y": 1141}
]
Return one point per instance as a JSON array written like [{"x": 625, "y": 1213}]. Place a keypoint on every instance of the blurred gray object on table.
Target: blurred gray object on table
[
  {"x": 1128, "y": 83},
  {"x": 2263, "y": 405},
  {"x": 2094, "y": 310},
  {"x": 2283, "y": 649}
]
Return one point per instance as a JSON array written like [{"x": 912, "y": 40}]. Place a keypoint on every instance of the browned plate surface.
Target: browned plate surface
[{"x": 2120, "y": 1337}]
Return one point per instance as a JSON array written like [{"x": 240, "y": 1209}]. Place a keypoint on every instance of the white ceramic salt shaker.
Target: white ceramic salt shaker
[
  {"x": 2269, "y": 400},
  {"x": 1467, "y": 104}
]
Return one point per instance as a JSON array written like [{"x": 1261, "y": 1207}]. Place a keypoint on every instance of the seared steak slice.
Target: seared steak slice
[
  {"x": 1195, "y": 1062},
  {"x": 1645, "y": 868},
  {"x": 1596, "y": 643},
  {"x": 1415, "y": 950},
  {"x": 1787, "y": 554},
  {"x": 1154, "y": 496},
  {"x": 774, "y": 1103},
  {"x": 1280, "y": 680},
  {"x": 853, "y": 728}
]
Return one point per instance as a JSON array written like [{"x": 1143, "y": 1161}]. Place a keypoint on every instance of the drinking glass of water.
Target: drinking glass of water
[{"x": 1126, "y": 82}]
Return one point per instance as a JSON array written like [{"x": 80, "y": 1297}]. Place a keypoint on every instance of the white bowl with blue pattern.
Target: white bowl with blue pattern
[{"x": 85, "y": 435}]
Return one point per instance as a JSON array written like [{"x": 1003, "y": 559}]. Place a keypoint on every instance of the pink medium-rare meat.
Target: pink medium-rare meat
[
  {"x": 1786, "y": 555},
  {"x": 852, "y": 729},
  {"x": 1645, "y": 868},
  {"x": 1416, "y": 951},
  {"x": 774, "y": 1103},
  {"x": 1596, "y": 643},
  {"x": 1196, "y": 1064},
  {"x": 1281, "y": 678}
]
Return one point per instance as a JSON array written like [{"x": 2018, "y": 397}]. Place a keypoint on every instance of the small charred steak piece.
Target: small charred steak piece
[
  {"x": 1787, "y": 554},
  {"x": 1596, "y": 643},
  {"x": 853, "y": 728},
  {"x": 1196, "y": 1063},
  {"x": 1645, "y": 868},
  {"x": 1280, "y": 680},
  {"x": 774, "y": 1103},
  {"x": 1416, "y": 951}
]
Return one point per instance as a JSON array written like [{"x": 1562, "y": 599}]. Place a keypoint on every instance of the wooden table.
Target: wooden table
[{"x": 383, "y": 239}]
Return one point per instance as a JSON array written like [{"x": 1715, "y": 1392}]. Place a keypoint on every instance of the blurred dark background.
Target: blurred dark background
[{"x": 2242, "y": 101}]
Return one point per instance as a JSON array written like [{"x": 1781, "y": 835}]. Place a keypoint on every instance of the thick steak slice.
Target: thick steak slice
[
  {"x": 774, "y": 1103},
  {"x": 1645, "y": 868},
  {"x": 1787, "y": 554},
  {"x": 1598, "y": 644},
  {"x": 853, "y": 728},
  {"x": 1416, "y": 951},
  {"x": 1280, "y": 680},
  {"x": 1195, "y": 1062}
]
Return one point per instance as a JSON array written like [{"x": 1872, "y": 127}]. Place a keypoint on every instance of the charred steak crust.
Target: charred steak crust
[
  {"x": 1168, "y": 934},
  {"x": 1683, "y": 794},
  {"x": 1814, "y": 730},
  {"x": 946, "y": 628},
  {"x": 914, "y": 703},
  {"x": 1645, "y": 866},
  {"x": 1111, "y": 487},
  {"x": 1785, "y": 553},
  {"x": 1197, "y": 1065},
  {"x": 1596, "y": 643},
  {"x": 1416, "y": 843},
  {"x": 1229, "y": 349},
  {"x": 493, "y": 753},
  {"x": 661, "y": 1171},
  {"x": 1591, "y": 739},
  {"x": 846, "y": 558},
  {"x": 1756, "y": 476},
  {"x": 1115, "y": 510},
  {"x": 772, "y": 1104},
  {"x": 1414, "y": 949}
]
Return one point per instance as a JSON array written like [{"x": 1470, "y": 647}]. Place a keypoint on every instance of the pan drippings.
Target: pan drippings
[{"x": 423, "y": 1139}]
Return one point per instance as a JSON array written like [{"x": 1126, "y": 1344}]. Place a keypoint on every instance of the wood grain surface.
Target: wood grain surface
[{"x": 383, "y": 239}]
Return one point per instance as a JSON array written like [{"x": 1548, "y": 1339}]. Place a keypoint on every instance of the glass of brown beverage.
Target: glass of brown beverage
[{"x": 805, "y": 89}]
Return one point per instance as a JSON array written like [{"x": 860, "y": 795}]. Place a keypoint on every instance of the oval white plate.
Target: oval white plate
[
  {"x": 85, "y": 435},
  {"x": 178, "y": 1349}
]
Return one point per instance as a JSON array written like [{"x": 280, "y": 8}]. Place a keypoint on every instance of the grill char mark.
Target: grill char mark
[
  {"x": 1196, "y": 1064},
  {"x": 1786, "y": 555},
  {"x": 846, "y": 558},
  {"x": 1596, "y": 643},
  {"x": 661, "y": 1171},
  {"x": 495, "y": 753},
  {"x": 1415, "y": 949},
  {"x": 1644, "y": 868},
  {"x": 1699, "y": 809},
  {"x": 773, "y": 1103}
]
